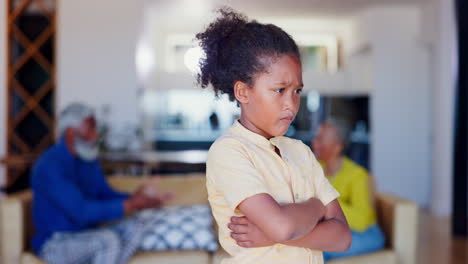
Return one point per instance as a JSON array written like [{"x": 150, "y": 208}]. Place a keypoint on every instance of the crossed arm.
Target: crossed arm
[{"x": 309, "y": 224}]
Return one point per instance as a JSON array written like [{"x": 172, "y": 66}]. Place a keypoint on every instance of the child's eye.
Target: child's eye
[
  {"x": 279, "y": 90},
  {"x": 298, "y": 91}
]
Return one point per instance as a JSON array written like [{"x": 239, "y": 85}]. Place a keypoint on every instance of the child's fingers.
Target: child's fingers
[
  {"x": 239, "y": 220},
  {"x": 240, "y": 237},
  {"x": 238, "y": 229},
  {"x": 245, "y": 244}
]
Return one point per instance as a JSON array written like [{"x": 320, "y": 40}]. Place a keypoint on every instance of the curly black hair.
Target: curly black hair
[{"x": 236, "y": 48}]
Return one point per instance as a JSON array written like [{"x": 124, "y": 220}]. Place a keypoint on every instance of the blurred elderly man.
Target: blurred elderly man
[
  {"x": 353, "y": 183},
  {"x": 72, "y": 197}
]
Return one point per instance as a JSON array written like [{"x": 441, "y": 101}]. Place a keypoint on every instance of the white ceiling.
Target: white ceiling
[
  {"x": 311, "y": 7},
  {"x": 278, "y": 8}
]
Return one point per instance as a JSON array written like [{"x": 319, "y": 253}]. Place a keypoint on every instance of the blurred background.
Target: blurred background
[{"x": 389, "y": 67}]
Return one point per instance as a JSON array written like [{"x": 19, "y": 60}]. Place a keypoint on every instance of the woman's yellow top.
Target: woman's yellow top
[{"x": 352, "y": 182}]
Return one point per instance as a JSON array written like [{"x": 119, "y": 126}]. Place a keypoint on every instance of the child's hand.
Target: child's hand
[{"x": 248, "y": 235}]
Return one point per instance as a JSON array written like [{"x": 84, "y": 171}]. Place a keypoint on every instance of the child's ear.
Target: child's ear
[{"x": 241, "y": 92}]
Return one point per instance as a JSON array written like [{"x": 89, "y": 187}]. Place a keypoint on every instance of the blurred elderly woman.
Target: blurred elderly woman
[{"x": 353, "y": 182}]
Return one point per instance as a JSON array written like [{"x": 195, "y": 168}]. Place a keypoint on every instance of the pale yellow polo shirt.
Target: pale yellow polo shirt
[{"x": 241, "y": 164}]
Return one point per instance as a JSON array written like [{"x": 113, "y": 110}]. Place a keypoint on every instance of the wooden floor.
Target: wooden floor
[{"x": 436, "y": 245}]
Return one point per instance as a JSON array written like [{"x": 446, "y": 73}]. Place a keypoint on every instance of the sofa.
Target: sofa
[{"x": 397, "y": 217}]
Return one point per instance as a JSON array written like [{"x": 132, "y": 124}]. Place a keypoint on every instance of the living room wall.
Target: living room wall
[{"x": 96, "y": 55}]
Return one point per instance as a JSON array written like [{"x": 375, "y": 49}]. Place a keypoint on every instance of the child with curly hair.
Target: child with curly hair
[{"x": 268, "y": 193}]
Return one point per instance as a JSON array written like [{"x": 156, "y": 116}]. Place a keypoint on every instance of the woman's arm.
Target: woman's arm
[
  {"x": 330, "y": 234},
  {"x": 282, "y": 223},
  {"x": 359, "y": 207}
]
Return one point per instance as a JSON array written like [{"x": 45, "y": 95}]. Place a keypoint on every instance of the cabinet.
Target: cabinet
[{"x": 30, "y": 99}]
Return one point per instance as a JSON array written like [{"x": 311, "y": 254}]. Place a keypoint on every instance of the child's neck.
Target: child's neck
[{"x": 250, "y": 126}]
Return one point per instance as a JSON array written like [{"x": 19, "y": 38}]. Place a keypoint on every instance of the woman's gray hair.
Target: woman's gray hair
[
  {"x": 73, "y": 115},
  {"x": 342, "y": 128}
]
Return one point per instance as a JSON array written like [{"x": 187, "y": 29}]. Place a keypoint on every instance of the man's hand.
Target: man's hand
[
  {"x": 139, "y": 201},
  {"x": 247, "y": 234},
  {"x": 147, "y": 196}
]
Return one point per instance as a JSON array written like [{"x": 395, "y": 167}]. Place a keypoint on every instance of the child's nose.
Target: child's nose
[{"x": 290, "y": 102}]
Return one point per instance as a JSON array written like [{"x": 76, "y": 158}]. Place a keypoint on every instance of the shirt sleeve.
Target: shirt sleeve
[
  {"x": 67, "y": 196},
  {"x": 104, "y": 191},
  {"x": 324, "y": 190},
  {"x": 232, "y": 173}
]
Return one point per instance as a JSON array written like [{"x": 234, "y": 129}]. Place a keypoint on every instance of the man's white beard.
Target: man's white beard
[{"x": 87, "y": 151}]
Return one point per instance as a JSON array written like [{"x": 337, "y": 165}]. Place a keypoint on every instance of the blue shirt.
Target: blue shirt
[{"x": 70, "y": 194}]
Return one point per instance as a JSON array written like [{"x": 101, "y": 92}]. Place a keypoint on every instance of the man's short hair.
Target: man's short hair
[{"x": 73, "y": 115}]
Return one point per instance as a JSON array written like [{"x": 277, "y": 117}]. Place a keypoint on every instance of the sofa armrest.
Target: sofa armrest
[
  {"x": 399, "y": 220},
  {"x": 14, "y": 212}
]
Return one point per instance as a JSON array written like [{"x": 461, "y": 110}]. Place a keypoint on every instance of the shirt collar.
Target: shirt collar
[{"x": 239, "y": 129}]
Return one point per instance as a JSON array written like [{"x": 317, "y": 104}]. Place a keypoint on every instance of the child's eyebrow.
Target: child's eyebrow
[{"x": 286, "y": 84}]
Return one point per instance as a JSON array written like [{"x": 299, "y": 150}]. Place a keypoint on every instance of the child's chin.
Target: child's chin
[{"x": 280, "y": 132}]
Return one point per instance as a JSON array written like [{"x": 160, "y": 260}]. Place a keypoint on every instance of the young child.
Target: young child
[{"x": 267, "y": 192}]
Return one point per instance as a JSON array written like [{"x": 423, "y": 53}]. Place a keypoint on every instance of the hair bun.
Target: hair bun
[{"x": 228, "y": 22}]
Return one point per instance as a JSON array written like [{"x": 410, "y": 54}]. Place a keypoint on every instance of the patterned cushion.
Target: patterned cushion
[{"x": 179, "y": 228}]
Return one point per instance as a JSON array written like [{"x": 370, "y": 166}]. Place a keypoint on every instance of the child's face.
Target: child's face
[{"x": 272, "y": 103}]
